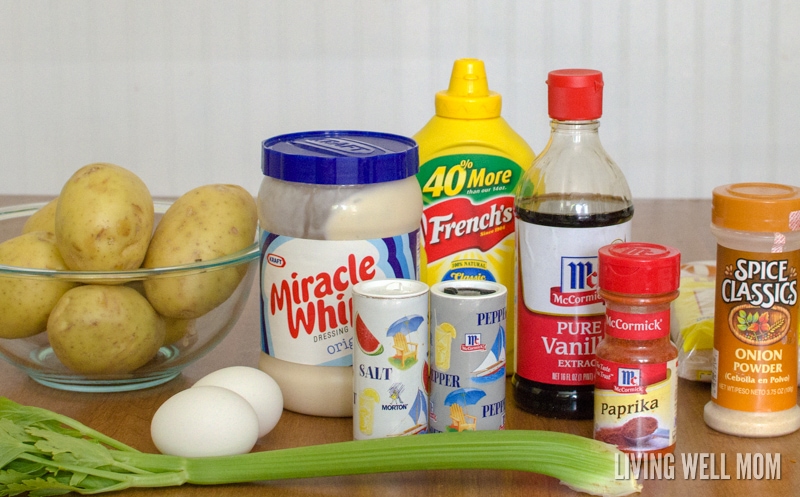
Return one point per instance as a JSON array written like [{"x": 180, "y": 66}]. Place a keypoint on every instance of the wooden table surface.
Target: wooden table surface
[{"x": 126, "y": 416}]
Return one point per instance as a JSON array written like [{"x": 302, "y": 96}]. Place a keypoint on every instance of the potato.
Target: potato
[
  {"x": 104, "y": 219},
  {"x": 205, "y": 223},
  {"x": 42, "y": 220},
  {"x": 99, "y": 329},
  {"x": 182, "y": 330},
  {"x": 25, "y": 303}
]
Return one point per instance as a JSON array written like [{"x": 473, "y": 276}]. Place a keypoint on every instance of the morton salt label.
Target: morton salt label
[
  {"x": 468, "y": 356},
  {"x": 390, "y": 360},
  {"x": 468, "y": 220},
  {"x": 306, "y": 293}
]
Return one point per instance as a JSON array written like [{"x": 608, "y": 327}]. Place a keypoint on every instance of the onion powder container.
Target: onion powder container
[
  {"x": 335, "y": 208},
  {"x": 754, "y": 375}
]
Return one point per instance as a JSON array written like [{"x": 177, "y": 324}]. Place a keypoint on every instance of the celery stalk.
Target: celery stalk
[{"x": 45, "y": 453}]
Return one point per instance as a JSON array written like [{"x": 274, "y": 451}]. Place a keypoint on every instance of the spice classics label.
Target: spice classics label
[
  {"x": 635, "y": 404},
  {"x": 755, "y": 342}
]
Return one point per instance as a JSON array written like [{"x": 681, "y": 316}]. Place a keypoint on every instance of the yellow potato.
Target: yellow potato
[
  {"x": 99, "y": 329},
  {"x": 206, "y": 223},
  {"x": 104, "y": 219},
  {"x": 182, "y": 330},
  {"x": 25, "y": 303},
  {"x": 42, "y": 220}
]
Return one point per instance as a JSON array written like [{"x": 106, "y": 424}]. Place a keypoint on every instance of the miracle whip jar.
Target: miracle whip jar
[
  {"x": 335, "y": 208},
  {"x": 754, "y": 375}
]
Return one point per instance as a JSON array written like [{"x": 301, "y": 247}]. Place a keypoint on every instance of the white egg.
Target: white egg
[
  {"x": 256, "y": 386},
  {"x": 205, "y": 421}
]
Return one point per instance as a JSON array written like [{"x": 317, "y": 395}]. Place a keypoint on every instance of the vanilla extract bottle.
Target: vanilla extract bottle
[{"x": 572, "y": 201}]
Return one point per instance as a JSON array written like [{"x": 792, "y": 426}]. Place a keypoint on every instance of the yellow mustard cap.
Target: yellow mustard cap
[
  {"x": 468, "y": 96},
  {"x": 757, "y": 207}
]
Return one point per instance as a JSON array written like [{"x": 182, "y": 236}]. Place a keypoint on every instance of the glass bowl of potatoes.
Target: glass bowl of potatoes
[{"x": 112, "y": 330}]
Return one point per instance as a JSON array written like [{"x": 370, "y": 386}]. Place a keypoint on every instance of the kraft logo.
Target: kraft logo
[
  {"x": 275, "y": 260},
  {"x": 578, "y": 274},
  {"x": 341, "y": 145}
]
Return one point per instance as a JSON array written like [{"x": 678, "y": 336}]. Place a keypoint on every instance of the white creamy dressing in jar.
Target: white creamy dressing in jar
[
  {"x": 319, "y": 239},
  {"x": 346, "y": 212}
]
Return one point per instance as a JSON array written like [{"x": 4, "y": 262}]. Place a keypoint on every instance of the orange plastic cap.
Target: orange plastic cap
[
  {"x": 468, "y": 96},
  {"x": 757, "y": 207}
]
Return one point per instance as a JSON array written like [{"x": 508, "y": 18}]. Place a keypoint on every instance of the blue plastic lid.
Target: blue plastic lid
[{"x": 340, "y": 157}]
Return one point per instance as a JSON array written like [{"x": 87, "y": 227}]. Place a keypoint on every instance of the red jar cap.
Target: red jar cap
[
  {"x": 639, "y": 268},
  {"x": 575, "y": 94}
]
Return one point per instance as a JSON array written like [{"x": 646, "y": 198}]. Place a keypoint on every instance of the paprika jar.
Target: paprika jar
[
  {"x": 636, "y": 380},
  {"x": 335, "y": 208}
]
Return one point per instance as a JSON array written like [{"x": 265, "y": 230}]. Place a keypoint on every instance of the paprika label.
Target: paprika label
[{"x": 635, "y": 404}]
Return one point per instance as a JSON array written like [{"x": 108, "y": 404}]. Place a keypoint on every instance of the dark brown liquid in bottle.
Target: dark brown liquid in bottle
[{"x": 565, "y": 211}]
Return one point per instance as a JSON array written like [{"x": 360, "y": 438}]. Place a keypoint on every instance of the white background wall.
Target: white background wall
[{"x": 182, "y": 92}]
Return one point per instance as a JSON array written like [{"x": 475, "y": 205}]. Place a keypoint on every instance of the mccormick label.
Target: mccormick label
[
  {"x": 635, "y": 405},
  {"x": 306, "y": 292},
  {"x": 468, "y": 221},
  {"x": 755, "y": 331},
  {"x": 628, "y": 326},
  {"x": 560, "y": 314},
  {"x": 468, "y": 356}
]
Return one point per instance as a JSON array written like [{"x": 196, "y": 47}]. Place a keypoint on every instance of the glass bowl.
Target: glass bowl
[{"x": 197, "y": 337}]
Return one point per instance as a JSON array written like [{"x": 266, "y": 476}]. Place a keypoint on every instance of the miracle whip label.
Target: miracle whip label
[
  {"x": 560, "y": 316},
  {"x": 306, "y": 292}
]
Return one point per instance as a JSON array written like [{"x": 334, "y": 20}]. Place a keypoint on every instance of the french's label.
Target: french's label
[
  {"x": 306, "y": 292},
  {"x": 468, "y": 226},
  {"x": 468, "y": 203},
  {"x": 458, "y": 225}
]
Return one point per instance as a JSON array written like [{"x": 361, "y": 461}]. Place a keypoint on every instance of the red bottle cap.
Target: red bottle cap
[
  {"x": 575, "y": 94},
  {"x": 639, "y": 268}
]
